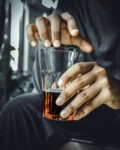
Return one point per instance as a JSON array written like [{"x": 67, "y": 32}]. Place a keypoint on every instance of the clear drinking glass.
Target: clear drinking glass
[{"x": 53, "y": 63}]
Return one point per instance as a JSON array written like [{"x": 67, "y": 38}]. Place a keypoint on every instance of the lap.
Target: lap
[
  {"x": 26, "y": 111},
  {"x": 23, "y": 127}
]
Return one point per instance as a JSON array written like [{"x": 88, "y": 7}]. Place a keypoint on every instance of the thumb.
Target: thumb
[{"x": 84, "y": 45}]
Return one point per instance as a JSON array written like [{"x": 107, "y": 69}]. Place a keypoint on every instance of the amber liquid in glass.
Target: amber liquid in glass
[{"x": 50, "y": 109}]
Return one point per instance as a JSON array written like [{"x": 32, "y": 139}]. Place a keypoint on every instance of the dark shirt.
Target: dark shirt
[{"x": 99, "y": 23}]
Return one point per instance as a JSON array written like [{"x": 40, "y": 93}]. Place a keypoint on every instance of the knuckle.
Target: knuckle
[
  {"x": 101, "y": 71},
  {"x": 37, "y": 36},
  {"x": 84, "y": 95},
  {"x": 39, "y": 19},
  {"x": 67, "y": 16},
  {"x": 106, "y": 81},
  {"x": 66, "y": 13},
  {"x": 56, "y": 34},
  {"x": 65, "y": 94},
  {"x": 71, "y": 108},
  {"x": 29, "y": 26},
  {"x": 110, "y": 94},
  {"x": 67, "y": 77},
  {"x": 82, "y": 112},
  {"x": 30, "y": 34},
  {"x": 79, "y": 66},
  {"x": 85, "y": 111},
  {"x": 76, "y": 65},
  {"x": 70, "y": 18},
  {"x": 80, "y": 81},
  {"x": 43, "y": 35},
  {"x": 88, "y": 108},
  {"x": 53, "y": 16},
  {"x": 107, "y": 93}
]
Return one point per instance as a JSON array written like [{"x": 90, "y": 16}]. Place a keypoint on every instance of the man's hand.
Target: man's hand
[
  {"x": 97, "y": 88},
  {"x": 57, "y": 30}
]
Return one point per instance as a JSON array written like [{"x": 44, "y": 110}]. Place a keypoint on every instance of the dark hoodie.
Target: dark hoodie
[{"x": 99, "y": 23}]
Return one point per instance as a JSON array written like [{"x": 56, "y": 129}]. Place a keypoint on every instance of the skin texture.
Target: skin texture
[
  {"x": 100, "y": 89},
  {"x": 97, "y": 86},
  {"x": 56, "y": 30}
]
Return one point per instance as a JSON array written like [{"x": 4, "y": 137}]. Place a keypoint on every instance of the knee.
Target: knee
[{"x": 22, "y": 103}]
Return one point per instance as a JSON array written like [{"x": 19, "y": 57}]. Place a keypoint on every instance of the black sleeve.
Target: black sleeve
[{"x": 102, "y": 28}]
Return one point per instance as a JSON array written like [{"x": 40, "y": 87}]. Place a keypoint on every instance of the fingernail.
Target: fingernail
[
  {"x": 60, "y": 83},
  {"x": 59, "y": 101},
  {"x": 63, "y": 114},
  {"x": 88, "y": 48},
  {"x": 74, "y": 32},
  {"x": 47, "y": 43},
  {"x": 33, "y": 43},
  {"x": 56, "y": 43}
]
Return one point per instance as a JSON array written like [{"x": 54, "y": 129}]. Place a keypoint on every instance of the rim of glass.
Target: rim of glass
[{"x": 63, "y": 48}]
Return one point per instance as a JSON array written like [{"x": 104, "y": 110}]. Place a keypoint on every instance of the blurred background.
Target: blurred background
[{"x": 16, "y": 55}]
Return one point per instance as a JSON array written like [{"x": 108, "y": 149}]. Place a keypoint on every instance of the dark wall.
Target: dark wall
[{"x": 2, "y": 15}]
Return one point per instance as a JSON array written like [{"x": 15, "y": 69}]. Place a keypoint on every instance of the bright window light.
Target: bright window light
[{"x": 14, "y": 60}]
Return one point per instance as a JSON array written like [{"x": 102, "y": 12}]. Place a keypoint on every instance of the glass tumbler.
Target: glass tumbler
[{"x": 53, "y": 63}]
